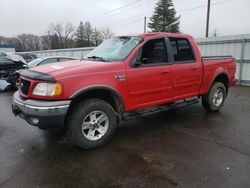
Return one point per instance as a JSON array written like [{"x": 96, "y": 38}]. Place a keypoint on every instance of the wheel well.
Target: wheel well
[
  {"x": 223, "y": 78},
  {"x": 104, "y": 94}
]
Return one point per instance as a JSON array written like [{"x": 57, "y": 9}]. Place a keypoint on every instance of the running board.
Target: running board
[{"x": 160, "y": 108}]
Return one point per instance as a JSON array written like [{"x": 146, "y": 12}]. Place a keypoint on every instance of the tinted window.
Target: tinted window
[
  {"x": 154, "y": 51},
  {"x": 182, "y": 49}
]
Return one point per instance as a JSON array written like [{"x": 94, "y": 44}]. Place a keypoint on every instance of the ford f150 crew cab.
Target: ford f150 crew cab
[{"x": 124, "y": 77}]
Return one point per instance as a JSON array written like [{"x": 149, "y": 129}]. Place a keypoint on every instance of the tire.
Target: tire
[
  {"x": 91, "y": 124},
  {"x": 214, "y": 100}
]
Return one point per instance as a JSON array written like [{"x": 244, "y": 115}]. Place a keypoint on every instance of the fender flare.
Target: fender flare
[
  {"x": 112, "y": 90},
  {"x": 217, "y": 75}
]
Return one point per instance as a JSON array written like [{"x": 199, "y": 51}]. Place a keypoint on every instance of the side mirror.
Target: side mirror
[
  {"x": 139, "y": 62},
  {"x": 144, "y": 60}
]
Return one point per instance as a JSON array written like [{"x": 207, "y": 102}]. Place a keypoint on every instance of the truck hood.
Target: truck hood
[{"x": 76, "y": 67}]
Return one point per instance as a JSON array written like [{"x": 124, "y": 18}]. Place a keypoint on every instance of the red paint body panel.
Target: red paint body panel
[{"x": 144, "y": 86}]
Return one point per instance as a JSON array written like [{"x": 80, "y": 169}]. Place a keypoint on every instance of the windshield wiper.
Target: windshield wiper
[{"x": 97, "y": 57}]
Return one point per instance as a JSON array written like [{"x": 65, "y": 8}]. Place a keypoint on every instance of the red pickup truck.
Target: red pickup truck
[{"x": 124, "y": 77}]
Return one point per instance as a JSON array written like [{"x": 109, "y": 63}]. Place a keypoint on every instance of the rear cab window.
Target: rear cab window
[{"x": 182, "y": 50}]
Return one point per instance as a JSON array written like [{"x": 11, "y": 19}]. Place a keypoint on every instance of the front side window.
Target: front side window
[
  {"x": 154, "y": 52},
  {"x": 181, "y": 49},
  {"x": 114, "y": 49}
]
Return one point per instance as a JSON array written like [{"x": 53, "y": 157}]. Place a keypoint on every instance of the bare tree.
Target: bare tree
[
  {"x": 107, "y": 33},
  {"x": 97, "y": 37},
  {"x": 30, "y": 42},
  {"x": 60, "y": 35},
  {"x": 69, "y": 33},
  {"x": 65, "y": 33}
]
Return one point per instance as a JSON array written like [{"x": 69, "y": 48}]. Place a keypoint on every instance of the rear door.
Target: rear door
[
  {"x": 187, "y": 70},
  {"x": 150, "y": 82}
]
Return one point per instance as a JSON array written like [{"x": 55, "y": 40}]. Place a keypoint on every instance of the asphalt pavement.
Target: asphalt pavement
[{"x": 180, "y": 148}]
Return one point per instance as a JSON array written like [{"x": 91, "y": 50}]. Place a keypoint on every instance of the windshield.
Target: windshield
[
  {"x": 34, "y": 62},
  {"x": 114, "y": 49}
]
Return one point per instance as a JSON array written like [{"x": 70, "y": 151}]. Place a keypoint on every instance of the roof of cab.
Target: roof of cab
[{"x": 162, "y": 34}]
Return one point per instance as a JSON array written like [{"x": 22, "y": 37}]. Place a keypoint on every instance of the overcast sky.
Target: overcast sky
[{"x": 228, "y": 17}]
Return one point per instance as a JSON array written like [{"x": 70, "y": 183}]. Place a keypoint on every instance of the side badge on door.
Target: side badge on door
[{"x": 120, "y": 77}]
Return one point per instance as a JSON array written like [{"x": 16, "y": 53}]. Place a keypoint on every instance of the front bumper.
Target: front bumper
[{"x": 40, "y": 113}]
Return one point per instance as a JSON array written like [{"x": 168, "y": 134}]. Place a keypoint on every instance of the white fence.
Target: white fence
[
  {"x": 238, "y": 46},
  {"x": 71, "y": 52}
]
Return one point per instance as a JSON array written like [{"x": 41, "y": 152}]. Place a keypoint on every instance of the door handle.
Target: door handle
[
  {"x": 194, "y": 68},
  {"x": 165, "y": 71}
]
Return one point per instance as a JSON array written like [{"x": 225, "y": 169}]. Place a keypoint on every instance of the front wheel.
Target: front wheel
[
  {"x": 92, "y": 123},
  {"x": 214, "y": 100}
]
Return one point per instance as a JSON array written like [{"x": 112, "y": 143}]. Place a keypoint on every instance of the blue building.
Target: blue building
[{"x": 7, "y": 48}]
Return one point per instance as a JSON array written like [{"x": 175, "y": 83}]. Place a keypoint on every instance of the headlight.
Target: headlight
[{"x": 47, "y": 89}]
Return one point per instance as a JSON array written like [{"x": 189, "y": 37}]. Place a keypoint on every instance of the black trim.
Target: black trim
[
  {"x": 98, "y": 87},
  {"x": 185, "y": 62},
  {"x": 37, "y": 75},
  {"x": 218, "y": 57},
  {"x": 155, "y": 64},
  {"x": 169, "y": 50},
  {"x": 159, "y": 108}
]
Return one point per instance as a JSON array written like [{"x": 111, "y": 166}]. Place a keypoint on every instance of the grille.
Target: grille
[{"x": 24, "y": 86}]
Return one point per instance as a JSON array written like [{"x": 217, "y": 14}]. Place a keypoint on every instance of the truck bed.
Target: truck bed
[{"x": 212, "y": 65}]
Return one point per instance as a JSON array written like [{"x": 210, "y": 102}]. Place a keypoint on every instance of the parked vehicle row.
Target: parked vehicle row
[
  {"x": 124, "y": 77},
  {"x": 11, "y": 64}
]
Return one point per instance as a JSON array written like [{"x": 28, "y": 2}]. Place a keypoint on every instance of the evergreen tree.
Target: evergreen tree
[
  {"x": 80, "y": 35},
  {"x": 164, "y": 18},
  {"x": 88, "y": 35}
]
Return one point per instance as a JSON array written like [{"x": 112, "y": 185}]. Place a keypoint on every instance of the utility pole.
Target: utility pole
[
  {"x": 208, "y": 15},
  {"x": 145, "y": 24}
]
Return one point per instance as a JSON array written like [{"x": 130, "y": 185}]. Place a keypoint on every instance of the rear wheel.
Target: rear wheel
[
  {"x": 92, "y": 123},
  {"x": 214, "y": 100}
]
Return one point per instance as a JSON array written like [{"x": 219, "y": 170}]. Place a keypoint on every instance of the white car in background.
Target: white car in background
[{"x": 47, "y": 60}]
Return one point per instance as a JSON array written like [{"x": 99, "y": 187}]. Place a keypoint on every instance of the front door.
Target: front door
[{"x": 150, "y": 81}]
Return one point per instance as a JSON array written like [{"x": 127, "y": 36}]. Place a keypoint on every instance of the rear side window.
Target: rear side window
[{"x": 182, "y": 49}]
